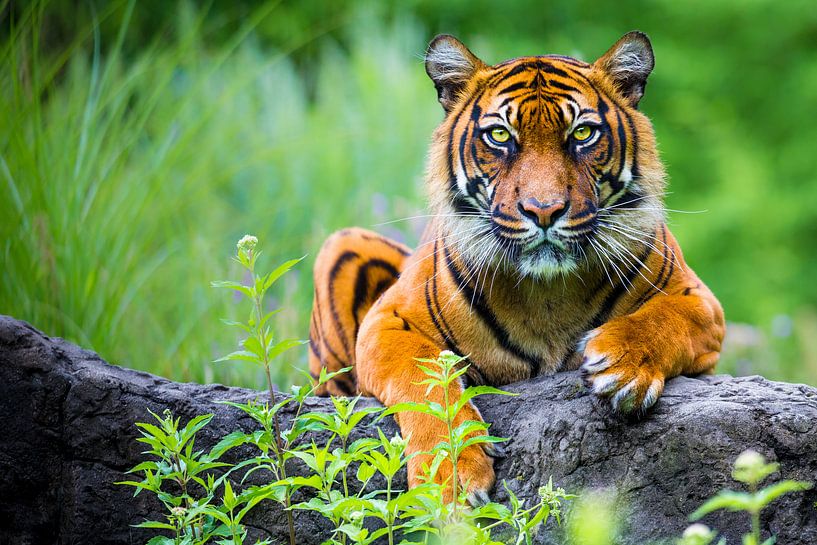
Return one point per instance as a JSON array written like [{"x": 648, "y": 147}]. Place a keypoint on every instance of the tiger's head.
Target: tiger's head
[{"x": 544, "y": 164}]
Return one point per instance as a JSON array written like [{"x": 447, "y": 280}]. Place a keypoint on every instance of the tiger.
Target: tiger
[{"x": 547, "y": 250}]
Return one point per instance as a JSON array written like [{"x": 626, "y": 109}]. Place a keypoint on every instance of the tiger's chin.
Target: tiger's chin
[{"x": 546, "y": 261}]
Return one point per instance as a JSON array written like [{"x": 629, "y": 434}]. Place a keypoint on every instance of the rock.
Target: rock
[{"x": 68, "y": 434}]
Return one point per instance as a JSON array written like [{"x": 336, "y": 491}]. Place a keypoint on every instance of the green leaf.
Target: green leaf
[
  {"x": 229, "y": 284},
  {"x": 228, "y": 442},
  {"x": 408, "y": 406},
  {"x": 253, "y": 345},
  {"x": 241, "y": 355},
  {"x": 770, "y": 493},
  {"x": 229, "y": 496},
  {"x": 475, "y": 391},
  {"x": 283, "y": 346},
  {"x": 279, "y": 271},
  {"x": 725, "y": 499},
  {"x": 365, "y": 472},
  {"x": 479, "y": 439},
  {"x": 155, "y": 524}
]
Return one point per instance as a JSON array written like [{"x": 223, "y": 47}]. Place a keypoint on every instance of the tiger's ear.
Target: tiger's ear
[
  {"x": 450, "y": 65},
  {"x": 628, "y": 63}
]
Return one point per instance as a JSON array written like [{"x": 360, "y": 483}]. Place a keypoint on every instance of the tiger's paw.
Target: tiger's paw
[
  {"x": 475, "y": 472},
  {"x": 624, "y": 366}
]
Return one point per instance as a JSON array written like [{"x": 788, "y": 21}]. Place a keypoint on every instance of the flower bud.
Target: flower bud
[
  {"x": 247, "y": 243},
  {"x": 697, "y": 534}
]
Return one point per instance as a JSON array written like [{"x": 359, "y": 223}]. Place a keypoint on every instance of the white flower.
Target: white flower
[
  {"x": 247, "y": 243},
  {"x": 697, "y": 534},
  {"x": 749, "y": 460},
  {"x": 698, "y": 530}
]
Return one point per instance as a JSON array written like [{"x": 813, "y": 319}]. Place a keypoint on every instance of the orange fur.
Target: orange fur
[{"x": 546, "y": 252}]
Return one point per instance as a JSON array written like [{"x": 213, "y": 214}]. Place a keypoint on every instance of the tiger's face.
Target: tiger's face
[{"x": 544, "y": 164}]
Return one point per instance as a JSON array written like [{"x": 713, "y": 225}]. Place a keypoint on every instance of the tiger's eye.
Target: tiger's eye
[
  {"x": 582, "y": 133},
  {"x": 500, "y": 135}
]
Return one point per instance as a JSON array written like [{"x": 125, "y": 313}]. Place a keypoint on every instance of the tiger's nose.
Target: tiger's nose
[{"x": 544, "y": 214}]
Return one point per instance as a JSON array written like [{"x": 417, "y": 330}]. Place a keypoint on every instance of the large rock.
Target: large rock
[{"x": 67, "y": 421}]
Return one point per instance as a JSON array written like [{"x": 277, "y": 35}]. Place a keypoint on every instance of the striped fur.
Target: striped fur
[{"x": 545, "y": 252}]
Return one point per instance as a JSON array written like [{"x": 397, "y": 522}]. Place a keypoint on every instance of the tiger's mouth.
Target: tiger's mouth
[
  {"x": 547, "y": 257},
  {"x": 545, "y": 253}
]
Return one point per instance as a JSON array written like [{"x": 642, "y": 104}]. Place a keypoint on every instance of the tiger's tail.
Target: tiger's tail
[{"x": 353, "y": 268}]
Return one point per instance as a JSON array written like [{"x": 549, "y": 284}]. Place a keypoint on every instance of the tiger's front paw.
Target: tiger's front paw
[
  {"x": 475, "y": 473},
  {"x": 475, "y": 467},
  {"x": 625, "y": 365}
]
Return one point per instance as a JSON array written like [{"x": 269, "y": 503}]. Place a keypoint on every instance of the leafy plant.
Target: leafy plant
[
  {"x": 454, "y": 522},
  {"x": 206, "y": 498},
  {"x": 179, "y": 469},
  {"x": 750, "y": 468},
  {"x": 260, "y": 348}
]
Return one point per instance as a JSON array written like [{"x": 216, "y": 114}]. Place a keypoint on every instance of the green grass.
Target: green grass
[
  {"x": 129, "y": 183},
  {"x": 129, "y": 169}
]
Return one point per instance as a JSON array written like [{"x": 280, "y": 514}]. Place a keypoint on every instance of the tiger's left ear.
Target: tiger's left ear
[{"x": 628, "y": 63}]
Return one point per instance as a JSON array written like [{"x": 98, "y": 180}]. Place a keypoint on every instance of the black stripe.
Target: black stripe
[
  {"x": 514, "y": 87},
  {"x": 346, "y": 387},
  {"x": 344, "y": 258},
  {"x": 361, "y": 293},
  {"x": 379, "y": 238},
  {"x": 323, "y": 340},
  {"x": 489, "y": 318},
  {"x": 436, "y": 316}
]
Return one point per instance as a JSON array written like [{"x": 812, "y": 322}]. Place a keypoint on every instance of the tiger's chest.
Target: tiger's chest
[
  {"x": 519, "y": 335},
  {"x": 510, "y": 329}
]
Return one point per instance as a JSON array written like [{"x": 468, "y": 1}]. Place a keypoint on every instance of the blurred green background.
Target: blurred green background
[{"x": 140, "y": 140}]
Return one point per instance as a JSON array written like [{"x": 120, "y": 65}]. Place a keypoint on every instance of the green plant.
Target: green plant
[
  {"x": 594, "y": 519},
  {"x": 260, "y": 348},
  {"x": 750, "y": 468},
  {"x": 183, "y": 480},
  {"x": 202, "y": 504},
  {"x": 454, "y": 522}
]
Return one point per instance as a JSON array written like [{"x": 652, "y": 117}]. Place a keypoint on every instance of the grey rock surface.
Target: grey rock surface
[{"x": 67, "y": 420}]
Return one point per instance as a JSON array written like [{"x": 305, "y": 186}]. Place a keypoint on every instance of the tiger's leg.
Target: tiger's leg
[
  {"x": 388, "y": 345},
  {"x": 676, "y": 328},
  {"x": 353, "y": 268}
]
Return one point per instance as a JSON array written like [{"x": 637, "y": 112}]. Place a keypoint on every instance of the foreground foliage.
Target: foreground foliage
[
  {"x": 351, "y": 483},
  {"x": 202, "y": 505},
  {"x": 751, "y": 469}
]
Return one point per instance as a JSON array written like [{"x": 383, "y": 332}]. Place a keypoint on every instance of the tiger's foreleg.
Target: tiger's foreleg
[
  {"x": 676, "y": 331},
  {"x": 387, "y": 349},
  {"x": 353, "y": 268}
]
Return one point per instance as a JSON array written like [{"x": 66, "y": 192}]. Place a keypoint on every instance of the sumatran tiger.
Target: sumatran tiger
[{"x": 548, "y": 250}]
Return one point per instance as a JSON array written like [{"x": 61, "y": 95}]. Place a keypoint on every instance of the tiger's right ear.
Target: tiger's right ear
[{"x": 450, "y": 65}]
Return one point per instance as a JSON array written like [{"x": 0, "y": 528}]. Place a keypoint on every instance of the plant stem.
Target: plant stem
[
  {"x": 281, "y": 462},
  {"x": 756, "y": 525},
  {"x": 451, "y": 449},
  {"x": 755, "y": 516},
  {"x": 389, "y": 516}
]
